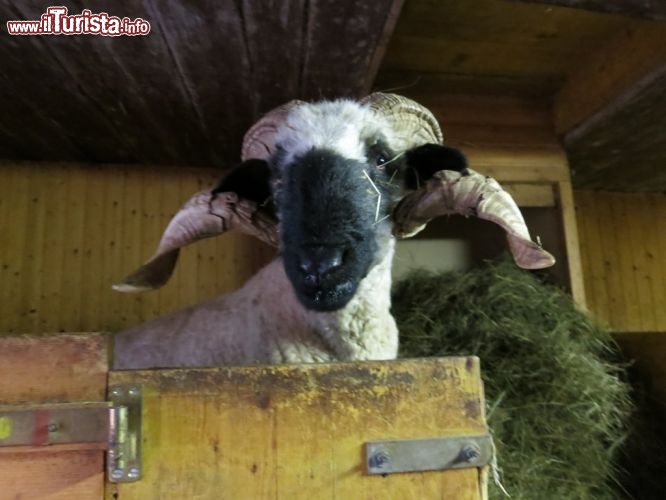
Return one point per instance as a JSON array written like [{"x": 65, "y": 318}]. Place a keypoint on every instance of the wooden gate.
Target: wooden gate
[{"x": 289, "y": 431}]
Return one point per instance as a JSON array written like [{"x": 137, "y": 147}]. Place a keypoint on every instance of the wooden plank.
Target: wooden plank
[
  {"x": 340, "y": 42},
  {"x": 32, "y": 60},
  {"x": 405, "y": 81},
  {"x": 582, "y": 215},
  {"x": 610, "y": 244},
  {"x": 275, "y": 76},
  {"x": 116, "y": 261},
  {"x": 63, "y": 368},
  {"x": 207, "y": 286},
  {"x": 519, "y": 165},
  {"x": 440, "y": 55},
  {"x": 601, "y": 75},
  {"x": 187, "y": 262},
  {"x": 653, "y": 221},
  {"x": 15, "y": 224},
  {"x": 392, "y": 15},
  {"x": 298, "y": 431},
  {"x": 131, "y": 239},
  {"x": 641, "y": 265},
  {"x": 531, "y": 195},
  {"x": 218, "y": 109},
  {"x": 632, "y": 320},
  {"x": 648, "y": 9},
  {"x": 52, "y": 249},
  {"x": 490, "y": 46},
  {"x": 27, "y": 293},
  {"x": 59, "y": 475},
  {"x": 571, "y": 239},
  {"x": 485, "y": 109},
  {"x": 94, "y": 251},
  {"x": 72, "y": 241},
  {"x": 5, "y": 221},
  {"x": 595, "y": 257},
  {"x": 151, "y": 231},
  {"x": 504, "y": 23},
  {"x": 170, "y": 202}
]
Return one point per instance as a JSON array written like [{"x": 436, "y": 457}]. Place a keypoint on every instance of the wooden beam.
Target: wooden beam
[
  {"x": 392, "y": 15},
  {"x": 570, "y": 228},
  {"x": 648, "y": 9},
  {"x": 623, "y": 148},
  {"x": 607, "y": 72}
]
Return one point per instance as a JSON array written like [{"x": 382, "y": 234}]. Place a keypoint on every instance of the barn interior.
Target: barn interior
[{"x": 103, "y": 138}]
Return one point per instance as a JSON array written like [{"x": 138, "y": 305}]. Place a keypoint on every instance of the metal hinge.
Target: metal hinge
[
  {"x": 114, "y": 425},
  {"x": 123, "y": 456},
  {"x": 416, "y": 455}
]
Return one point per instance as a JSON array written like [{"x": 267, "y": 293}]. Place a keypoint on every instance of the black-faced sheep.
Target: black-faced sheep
[{"x": 331, "y": 184}]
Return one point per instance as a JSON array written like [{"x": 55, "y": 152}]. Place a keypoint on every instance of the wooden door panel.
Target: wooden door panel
[
  {"x": 58, "y": 369},
  {"x": 297, "y": 431}
]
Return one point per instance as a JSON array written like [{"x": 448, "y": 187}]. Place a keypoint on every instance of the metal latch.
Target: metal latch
[
  {"x": 114, "y": 426},
  {"x": 123, "y": 456},
  {"x": 416, "y": 455}
]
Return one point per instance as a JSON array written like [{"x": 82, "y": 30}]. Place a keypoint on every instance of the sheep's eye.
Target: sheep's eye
[{"x": 381, "y": 159}]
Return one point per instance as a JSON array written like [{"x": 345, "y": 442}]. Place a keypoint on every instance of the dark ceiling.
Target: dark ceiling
[{"x": 185, "y": 93}]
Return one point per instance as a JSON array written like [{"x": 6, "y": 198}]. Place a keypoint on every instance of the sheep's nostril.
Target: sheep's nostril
[{"x": 316, "y": 261}]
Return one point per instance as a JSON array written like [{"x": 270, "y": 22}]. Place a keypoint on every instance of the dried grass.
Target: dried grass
[{"x": 558, "y": 405}]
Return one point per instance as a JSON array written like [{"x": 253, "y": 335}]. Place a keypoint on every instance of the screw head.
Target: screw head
[
  {"x": 134, "y": 391},
  {"x": 116, "y": 391},
  {"x": 134, "y": 473},
  {"x": 117, "y": 473},
  {"x": 378, "y": 459},
  {"x": 52, "y": 427},
  {"x": 470, "y": 452}
]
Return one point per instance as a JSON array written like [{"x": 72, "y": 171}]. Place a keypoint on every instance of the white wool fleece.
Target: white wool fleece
[
  {"x": 263, "y": 322},
  {"x": 342, "y": 126}
]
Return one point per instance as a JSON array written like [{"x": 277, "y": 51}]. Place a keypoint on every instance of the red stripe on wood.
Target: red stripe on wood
[{"x": 40, "y": 436}]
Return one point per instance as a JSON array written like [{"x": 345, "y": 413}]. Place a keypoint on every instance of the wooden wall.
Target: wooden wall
[
  {"x": 67, "y": 232},
  {"x": 623, "y": 249}
]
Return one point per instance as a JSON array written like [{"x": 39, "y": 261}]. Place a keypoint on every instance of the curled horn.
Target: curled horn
[
  {"x": 259, "y": 140},
  {"x": 472, "y": 194},
  {"x": 412, "y": 124},
  {"x": 203, "y": 216},
  {"x": 209, "y": 214}
]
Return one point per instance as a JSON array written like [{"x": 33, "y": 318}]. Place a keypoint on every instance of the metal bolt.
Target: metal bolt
[
  {"x": 116, "y": 391},
  {"x": 117, "y": 474},
  {"x": 378, "y": 459},
  {"x": 52, "y": 427},
  {"x": 470, "y": 452},
  {"x": 134, "y": 473},
  {"x": 133, "y": 391}
]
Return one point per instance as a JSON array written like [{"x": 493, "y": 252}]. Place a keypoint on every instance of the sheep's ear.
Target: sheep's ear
[
  {"x": 250, "y": 181},
  {"x": 424, "y": 161}
]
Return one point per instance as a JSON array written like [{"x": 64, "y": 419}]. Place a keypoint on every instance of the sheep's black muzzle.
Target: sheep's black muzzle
[{"x": 329, "y": 227}]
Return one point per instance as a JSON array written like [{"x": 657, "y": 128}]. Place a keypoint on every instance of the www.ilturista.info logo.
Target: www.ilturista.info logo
[{"x": 56, "y": 22}]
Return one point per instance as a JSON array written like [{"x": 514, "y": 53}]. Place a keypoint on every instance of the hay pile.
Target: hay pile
[{"x": 557, "y": 406}]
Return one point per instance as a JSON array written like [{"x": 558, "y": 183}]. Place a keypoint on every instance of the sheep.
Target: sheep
[{"x": 331, "y": 184}]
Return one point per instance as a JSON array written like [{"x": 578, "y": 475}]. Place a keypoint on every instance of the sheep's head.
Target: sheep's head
[{"x": 330, "y": 183}]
